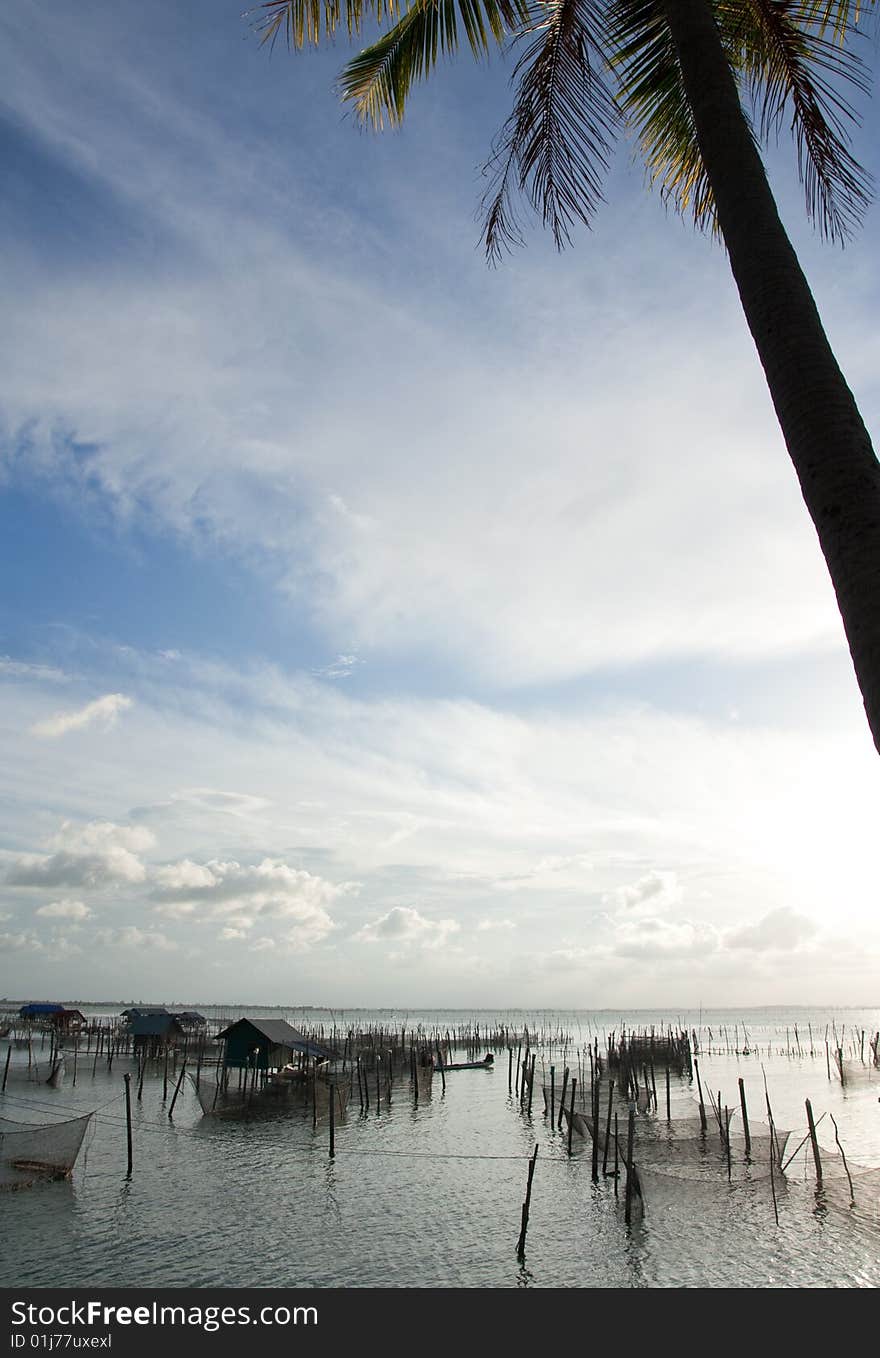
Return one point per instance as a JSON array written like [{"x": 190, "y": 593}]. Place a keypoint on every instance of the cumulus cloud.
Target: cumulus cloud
[
  {"x": 783, "y": 930},
  {"x": 655, "y": 891},
  {"x": 20, "y": 943},
  {"x": 403, "y": 925},
  {"x": 129, "y": 936},
  {"x": 485, "y": 925},
  {"x": 97, "y": 854},
  {"x": 104, "y": 711},
  {"x": 240, "y": 894},
  {"x": 661, "y": 939},
  {"x": 73, "y": 910}
]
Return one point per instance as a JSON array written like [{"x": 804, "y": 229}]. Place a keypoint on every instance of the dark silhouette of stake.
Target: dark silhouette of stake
[
  {"x": 177, "y": 1090},
  {"x": 128, "y": 1122},
  {"x": 521, "y": 1243}
]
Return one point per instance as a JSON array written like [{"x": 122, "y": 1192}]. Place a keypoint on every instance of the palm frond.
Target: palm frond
[
  {"x": 841, "y": 16},
  {"x": 378, "y": 80},
  {"x": 554, "y": 147},
  {"x": 652, "y": 96},
  {"x": 790, "y": 67},
  {"x": 302, "y": 22}
]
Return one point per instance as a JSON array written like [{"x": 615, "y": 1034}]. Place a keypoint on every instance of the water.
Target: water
[{"x": 430, "y": 1195}]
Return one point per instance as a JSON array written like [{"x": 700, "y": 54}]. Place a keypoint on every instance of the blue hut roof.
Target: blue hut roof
[{"x": 39, "y": 1010}]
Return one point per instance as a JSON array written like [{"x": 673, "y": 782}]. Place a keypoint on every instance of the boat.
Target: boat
[{"x": 487, "y": 1063}]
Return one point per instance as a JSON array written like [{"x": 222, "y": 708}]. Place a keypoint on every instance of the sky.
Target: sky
[{"x": 379, "y": 628}]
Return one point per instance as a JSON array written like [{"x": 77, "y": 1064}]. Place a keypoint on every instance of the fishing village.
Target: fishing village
[{"x": 656, "y": 1125}]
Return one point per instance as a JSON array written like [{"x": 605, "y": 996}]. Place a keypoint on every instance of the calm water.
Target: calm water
[{"x": 430, "y": 1195}]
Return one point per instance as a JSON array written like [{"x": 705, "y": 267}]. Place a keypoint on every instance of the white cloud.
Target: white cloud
[
  {"x": 554, "y": 872},
  {"x": 72, "y": 910},
  {"x": 404, "y": 925},
  {"x": 97, "y": 854},
  {"x": 240, "y": 894},
  {"x": 129, "y": 936},
  {"x": 486, "y": 925},
  {"x": 19, "y": 669},
  {"x": 20, "y": 943},
  {"x": 104, "y": 711},
  {"x": 654, "y": 891},
  {"x": 661, "y": 939},
  {"x": 783, "y": 929},
  {"x": 340, "y": 668}
]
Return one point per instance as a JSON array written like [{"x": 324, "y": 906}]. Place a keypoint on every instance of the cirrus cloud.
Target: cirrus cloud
[{"x": 104, "y": 710}]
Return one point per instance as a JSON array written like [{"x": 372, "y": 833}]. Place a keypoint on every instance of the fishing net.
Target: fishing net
[
  {"x": 857, "y": 1073},
  {"x": 222, "y": 1099},
  {"x": 40, "y": 1150}
]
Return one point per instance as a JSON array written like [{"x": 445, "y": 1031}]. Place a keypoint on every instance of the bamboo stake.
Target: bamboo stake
[
  {"x": 813, "y": 1140},
  {"x": 607, "y": 1129},
  {"x": 128, "y": 1122},
  {"x": 571, "y": 1114},
  {"x": 521, "y": 1243},
  {"x": 745, "y": 1113},
  {"x": 630, "y": 1136},
  {"x": 177, "y": 1090}
]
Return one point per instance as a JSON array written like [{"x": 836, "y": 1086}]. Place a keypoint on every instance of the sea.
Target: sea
[{"x": 429, "y": 1193}]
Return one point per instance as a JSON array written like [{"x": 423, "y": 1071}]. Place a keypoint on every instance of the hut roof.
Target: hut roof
[
  {"x": 280, "y": 1033},
  {"x": 154, "y": 1025},
  {"x": 39, "y": 1010},
  {"x": 144, "y": 1009}
]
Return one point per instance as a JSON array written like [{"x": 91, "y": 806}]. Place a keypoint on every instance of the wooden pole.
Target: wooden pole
[
  {"x": 552, "y": 1095},
  {"x": 510, "y": 1070},
  {"x": 6, "y": 1067},
  {"x": 128, "y": 1122},
  {"x": 595, "y": 1102},
  {"x": 177, "y": 1090},
  {"x": 700, "y": 1089},
  {"x": 165, "y": 1076},
  {"x": 531, "y": 1083},
  {"x": 668, "y": 1105},
  {"x": 745, "y": 1113},
  {"x": 616, "y": 1156},
  {"x": 630, "y": 1137},
  {"x": 814, "y": 1142},
  {"x": 521, "y": 1243},
  {"x": 571, "y": 1114},
  {"x": 562, "y": 1095},
  {"x": 608, "y": 1129},
  {"x": 332, "y": 1121}
]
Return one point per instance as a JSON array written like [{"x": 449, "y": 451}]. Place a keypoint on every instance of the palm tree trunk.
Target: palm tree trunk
[{"x": 826, "y": 438}]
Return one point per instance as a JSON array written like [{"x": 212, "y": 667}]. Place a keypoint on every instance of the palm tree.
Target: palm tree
[{"x": 678, "y": 71}]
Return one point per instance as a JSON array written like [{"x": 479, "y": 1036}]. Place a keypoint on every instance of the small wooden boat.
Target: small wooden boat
[{"x": 487, "y": 1063}]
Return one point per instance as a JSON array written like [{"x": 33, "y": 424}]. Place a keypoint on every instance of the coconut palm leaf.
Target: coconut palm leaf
[
  {"x": 302, "y": 22},
  {"x": 378, "y": 81},
  {"x": 790, "y": 67},
  {"x": 653, "y": 97},
  {"x": 554, "y": 146}
]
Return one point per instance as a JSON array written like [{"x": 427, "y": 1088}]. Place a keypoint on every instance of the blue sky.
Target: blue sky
[{"x": 381, "y": 628}]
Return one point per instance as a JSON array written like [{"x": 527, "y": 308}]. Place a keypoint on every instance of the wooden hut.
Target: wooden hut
[
  {"x": 152, "y": 1033},
  {"x": 267, "y": 1044}
]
